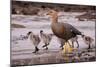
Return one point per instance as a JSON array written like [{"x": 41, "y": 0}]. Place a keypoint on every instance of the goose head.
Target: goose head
[{"x": 52, "y": 13}]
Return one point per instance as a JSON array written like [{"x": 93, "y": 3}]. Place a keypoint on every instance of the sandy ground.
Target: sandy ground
[{"x": 21, "y": 50}]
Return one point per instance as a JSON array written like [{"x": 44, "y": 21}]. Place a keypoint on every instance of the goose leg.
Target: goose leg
[
  {"x": 72, "y": 44},
  {"x": 61, "y": 46},
  {"x": 77, "y": 44},
  {"x": 69, "y": 44},
  {"x": 67, "y": 48},
  {"x": 64, "y": 48}
]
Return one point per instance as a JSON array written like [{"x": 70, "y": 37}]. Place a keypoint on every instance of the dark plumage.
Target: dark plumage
[
  {"x": 46, "y": 38},
  {"x": 34, "y": 39},
  {"x": 62, "y": 30}
]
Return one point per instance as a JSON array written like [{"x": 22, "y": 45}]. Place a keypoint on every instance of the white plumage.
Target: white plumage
[
  {"x": 88, "y": 40},
  {"x": 46, "y": 38},
  {"x": 34, "y": 39}
]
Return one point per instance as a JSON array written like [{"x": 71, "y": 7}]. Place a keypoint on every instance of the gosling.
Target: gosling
[
  {"x": 34, "y": 39},
  {"x": 88, "y": 40},
  {"x": 46, "y": 39}
]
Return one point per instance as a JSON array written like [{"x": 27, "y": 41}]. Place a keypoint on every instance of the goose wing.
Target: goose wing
[{"x": 72, "y": 29}]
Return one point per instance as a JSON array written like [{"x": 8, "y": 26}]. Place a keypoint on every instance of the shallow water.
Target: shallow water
[{"x": 23, "y": 48}]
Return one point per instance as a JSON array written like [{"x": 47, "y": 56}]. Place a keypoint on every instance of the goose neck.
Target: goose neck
[{"x": 55, "y": 19}]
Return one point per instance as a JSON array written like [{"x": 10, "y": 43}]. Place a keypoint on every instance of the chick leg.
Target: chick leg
[
  {"x": 36, "y": 49},
  {"x": 77, "y": 44},
  {"x": 45, "y": 46}
]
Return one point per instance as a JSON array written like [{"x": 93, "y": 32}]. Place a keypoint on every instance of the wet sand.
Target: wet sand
[{"x": 52, "y": 56}]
